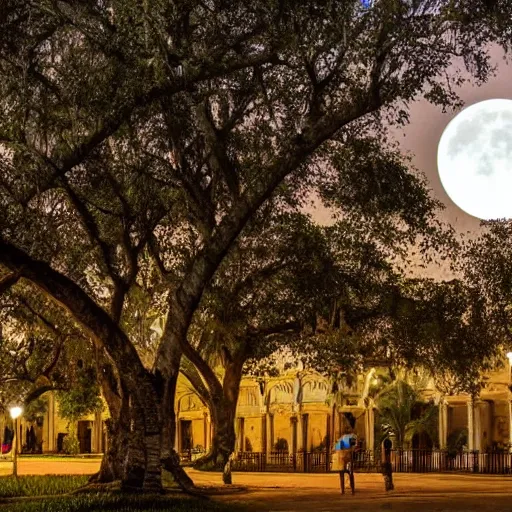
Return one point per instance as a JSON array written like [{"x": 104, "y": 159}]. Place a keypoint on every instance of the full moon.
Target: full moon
[{"x": 474, "y": 159}]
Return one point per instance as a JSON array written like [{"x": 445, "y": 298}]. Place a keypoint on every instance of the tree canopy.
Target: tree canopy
[{"x": 131, "y": 133}]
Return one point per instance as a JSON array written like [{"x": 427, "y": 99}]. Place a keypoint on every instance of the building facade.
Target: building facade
[
  {"x": 293, "y": 413},
  {"x": 296, "y": 412},
  {"x": 47, "y": 433}
]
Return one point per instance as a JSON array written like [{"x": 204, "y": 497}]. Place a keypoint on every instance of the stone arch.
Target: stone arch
[
  {"x": 315, "y": 388},
  {"x": 249, "y": 396},
  {"x": 280, "y": 392},
  {"x": 190, "y": 402}
]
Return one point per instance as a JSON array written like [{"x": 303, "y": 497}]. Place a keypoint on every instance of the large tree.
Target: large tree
[
  {"x": 485, "y": 263},
  {"x": 128, "y": 130},
  {"x": 340, "y": 303},
  {"x": 269, "y": 290}
]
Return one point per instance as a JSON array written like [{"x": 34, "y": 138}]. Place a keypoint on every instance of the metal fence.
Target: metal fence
[
  {"x": 402, "y": 461},
  {"x": 305, "y": 462}
]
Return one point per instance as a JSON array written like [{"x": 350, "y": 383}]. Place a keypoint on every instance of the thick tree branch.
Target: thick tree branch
[
  {"x": 92, "y": 318},
  {"x": 8, "y": 281},
  {"x": 212, "y": 381},
  {"x": 192, "y": 375},
  {"x": 204, "y": 266},
  {"x": 91, "y": 227},
  {"x": 61, "y": 164},
  {"x": 220, "y": 159}
]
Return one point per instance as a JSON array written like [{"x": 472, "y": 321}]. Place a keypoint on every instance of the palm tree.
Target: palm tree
[{"x": 398, "y": 404}]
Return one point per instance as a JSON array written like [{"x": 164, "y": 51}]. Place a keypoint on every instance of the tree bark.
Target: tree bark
[
  {"x": 223, "y": 413},
  {"x": 170, "y": 458},
  {"x": 112, "y": 464},
  {"x": 166, "y": 370},
  {"x": 111, "y": 469}
]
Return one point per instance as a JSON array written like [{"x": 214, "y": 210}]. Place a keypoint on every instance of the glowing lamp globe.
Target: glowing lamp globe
[
  {"x": 15, "y": 412},
  {"x": 474, "y": 159}
]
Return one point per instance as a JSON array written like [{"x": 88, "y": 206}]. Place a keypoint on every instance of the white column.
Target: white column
[
  {"x": 205, "y": 431},
  {"x": 300, "y": 437},
  {"x": 471, "y": 425},
  {"x": 305, "y": 433},
  {"x": 510, "y": 425},
  {"x": 477, "y": 443},
  {"x": 443, "y": 424},
  {"x": 97, "y": 433},
  {"x": 263, "y": 427},
  {"x": 270, "y": 434},
  {"x": 51, "y": 424},
  {"x": 369, "y": 427},
  {"x": 210, "y": 432},
  {"x": 177, "y": 435},
  {"x": 293, "y": 433}
]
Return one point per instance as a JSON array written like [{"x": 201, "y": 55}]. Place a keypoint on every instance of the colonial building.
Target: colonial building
[
  {"x": 294, "y": 413},
  {"x": 49, "y": 431}
]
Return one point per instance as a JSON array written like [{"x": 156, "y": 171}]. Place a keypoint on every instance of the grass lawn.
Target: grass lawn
[
  {"x": 25, "y": 494},
  {"x": 11, "y": 487},
  {"x": 116, "y": 502}
]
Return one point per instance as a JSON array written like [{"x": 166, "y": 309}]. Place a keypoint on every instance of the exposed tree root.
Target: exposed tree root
[
  {"x": 216, "y": 462},
  {"x": 184, "y": 482}
]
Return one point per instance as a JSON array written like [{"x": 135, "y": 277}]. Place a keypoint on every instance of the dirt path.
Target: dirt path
[
  {"x": 43, "y": 466},
  {"x": 414, "y": 492},
  {"x": 320, "y": 492}
]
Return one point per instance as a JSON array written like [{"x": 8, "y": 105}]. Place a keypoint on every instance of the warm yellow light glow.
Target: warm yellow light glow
[
  {"x": 15, "y": 412},
  {"x": 509, "y": 357},
  {"x": 474, "y": 159}
]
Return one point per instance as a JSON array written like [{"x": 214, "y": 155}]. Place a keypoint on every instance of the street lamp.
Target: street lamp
[{"x": 15, "y": 414}]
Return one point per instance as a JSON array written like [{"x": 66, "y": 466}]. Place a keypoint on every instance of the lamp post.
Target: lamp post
[{"x": 15, "y": 414}]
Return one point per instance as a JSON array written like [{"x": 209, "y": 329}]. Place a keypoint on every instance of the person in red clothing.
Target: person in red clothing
[{"x": 7, "y": 440}]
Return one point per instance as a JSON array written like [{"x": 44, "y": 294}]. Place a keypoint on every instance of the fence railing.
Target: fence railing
[
  {"x": 402, "y": 461},
  {"x": 306, "y": 462}
]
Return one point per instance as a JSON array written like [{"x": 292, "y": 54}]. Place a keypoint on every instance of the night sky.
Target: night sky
[
  {"x": 421, "y": 138},
  {"x": 426, "y": 127}
]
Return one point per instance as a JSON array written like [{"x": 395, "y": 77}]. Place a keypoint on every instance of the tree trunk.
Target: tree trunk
[
  {"x": 112, "y": 464},
  {"x": 166, "y": 371},
  {"x": 111, "y": 468},
  {"x": 224, "y": 436},
  {"x": 134, "y": 464},
  {"x": 133, "y": 455},
  {"x": 170, "y": 458},
  {"x": 223, "y": 413},
  {"x": 131, "y": 458},
  {"x": 118, "y": 424}
]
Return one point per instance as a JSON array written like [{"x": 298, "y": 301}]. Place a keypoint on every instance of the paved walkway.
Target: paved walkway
[
  {"x": 414, "y": 492},
  {"x": 320, "y": 492},
  {"x": 42, "y": 466}
]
